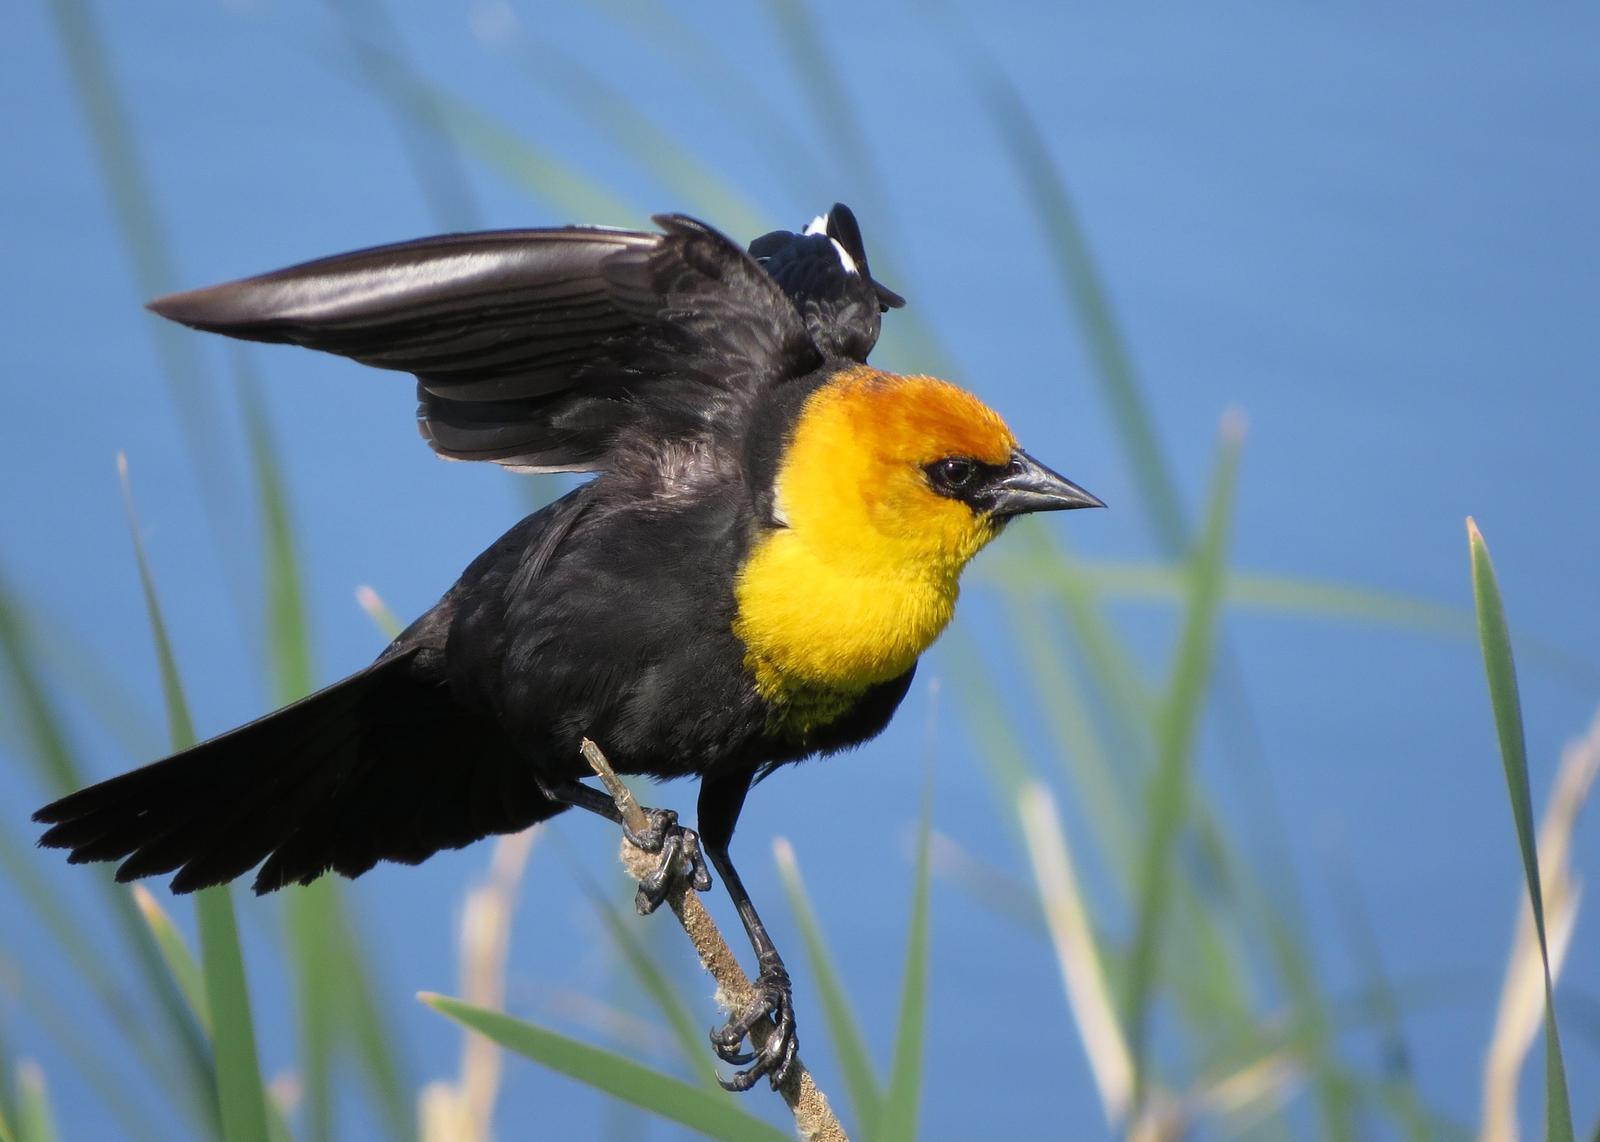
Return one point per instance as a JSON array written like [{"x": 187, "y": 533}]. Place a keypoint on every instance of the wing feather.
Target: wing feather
[{"x": 541, "y": 349}]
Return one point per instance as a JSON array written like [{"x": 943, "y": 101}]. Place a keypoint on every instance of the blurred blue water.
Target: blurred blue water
[{"x": 1374, "y": 232}]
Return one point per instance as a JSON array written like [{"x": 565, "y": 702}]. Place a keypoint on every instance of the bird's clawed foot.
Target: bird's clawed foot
[
  {"x": 776, "y": 1056},
  {"x": 680, "y": 854}
]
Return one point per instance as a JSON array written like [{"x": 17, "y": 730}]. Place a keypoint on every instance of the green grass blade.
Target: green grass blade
[
  {"x": 1077, "y": 953},
  {"x": 712, "y": 1113},
  {"x": 239, "y": 1090},
  {"x": 435, "y": 163},
  {"x": 1117, "y": 580},
  {"x": 59, "y": 771},
  {"x": 1081, "y": 281},
  {"x": 103, "y": 693},
  {"x": 703, "y": 63},
  {"x": 180, "y": 961},
  {"x": 288, "y": 631},
  {"x": 1099, "y": 784},
  {"x": 827, "y": 88},
  {"x": 541, "y": 173},
  {"x": 1501, "y": 671},
  {"x": 134, "y": 204},
  {"x": 180, "y": 727},
  {"x": 849, "y": 1045},
  {"x": 311, "y": 925},
  {"x": 311, "y": 913},
  {"x": 378, "y": 611},
  {"x": 190, "y": 978},
  {"x": 372, "y": 1034},
  {"x": 904, "y": 1096},
  {"x": 1109, "y": 659},
  {"x": 97, "y": 1059},
  {"x": 332, "y": 977},
  {"x": 681, "y": 173},
  {"x": 691, "y": 1038},
  {"x": 1399, "y": 1084},
  {"x": 1177, "y": 729},
  {"x": 1001, "y": 748},
  {"x": 36, "y": 1122}
]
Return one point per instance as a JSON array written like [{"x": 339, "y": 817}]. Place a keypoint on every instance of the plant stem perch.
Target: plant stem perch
[{"x": 814, "y": 1119}]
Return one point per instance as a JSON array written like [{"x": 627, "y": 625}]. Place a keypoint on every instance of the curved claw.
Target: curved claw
[
  {"x": 679, "y": 848},
  {"x": 773, "y": 1058}
]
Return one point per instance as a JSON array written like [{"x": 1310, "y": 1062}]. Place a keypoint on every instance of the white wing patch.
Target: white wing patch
[{"x": 819, "y": 225}]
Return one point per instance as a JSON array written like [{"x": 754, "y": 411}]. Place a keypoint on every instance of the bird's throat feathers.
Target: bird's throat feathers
[{"x": 863, "y": 574}]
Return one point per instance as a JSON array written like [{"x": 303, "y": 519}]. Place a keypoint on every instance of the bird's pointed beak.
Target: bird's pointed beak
[{"x": 1028, "y": 486}]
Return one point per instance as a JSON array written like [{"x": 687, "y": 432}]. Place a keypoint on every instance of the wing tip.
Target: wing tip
[{"x": 216, "y": 308}]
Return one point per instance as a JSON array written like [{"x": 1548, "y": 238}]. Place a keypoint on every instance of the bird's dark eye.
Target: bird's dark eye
[{"x": 952, "y": 474}]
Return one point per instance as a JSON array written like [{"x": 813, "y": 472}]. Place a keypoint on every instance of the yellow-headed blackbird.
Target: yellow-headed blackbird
[{"x": 774, "y": 536}]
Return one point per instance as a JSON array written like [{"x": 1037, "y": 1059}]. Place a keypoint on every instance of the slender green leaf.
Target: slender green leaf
[
  {"x": 191, "y": 979},
  {"x": 1000, "y": 746},
  {"x": 371, "y": 1031},
  {"x": 827, "y": 88},
  {"x": 1395, "y": 1071},
  {"x": 685, "y": 1029},
  {"x": 59, "y": 771},
  {"x": 681, "y": 172},
  {"x": 288, "y": 630},
  {"x": 904, "y": 1096},
  {"x": 180, "y": 961},
  {"x": 1495, "y": 639},
  {"x": 97, "y": 1059},
  {"x": 180, "y": 727},
  {"x": 312, "y": 930},
  {"x": 849, "y": 1045},
  {"x": 712, "y": 1113},
  {"x": 1176, "y": 732},
  {"x": 104, "y": 693},
  {"x": 311, "y": 913},
  {"x": 1083, "y": 284},
  {"x": 1110, "y": 660},
  {"x": 704, "y": 63},
  {"x": 541, "y": 173},
  {"x": 378, "y": 611},
  {"x": 1117, "y": 580},
  {"x": 133, "y": 201},
  {"x": 239, "y": 1090},
  {"x": 332, "y": 976},
  {"x": 53, "y": 915},
  {"x": 36, "y": 1122},
  {"x": 1081, "y": 280},
  {"x": 1099, "y": 784},
  {"x": 373, "y": 39},
  {"x": 1077, "y": 951}
]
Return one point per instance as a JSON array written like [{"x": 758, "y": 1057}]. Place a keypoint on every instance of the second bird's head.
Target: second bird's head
[{"x": 897, "y": 475}]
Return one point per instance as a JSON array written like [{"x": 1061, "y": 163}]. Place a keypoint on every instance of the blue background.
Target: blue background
[{"x": 1373, "y": 231}]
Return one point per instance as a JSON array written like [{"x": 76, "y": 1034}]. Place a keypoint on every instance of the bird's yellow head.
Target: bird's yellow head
[
  {"x": 858, "y": 481},
  {"x": 887, "y": 489}
]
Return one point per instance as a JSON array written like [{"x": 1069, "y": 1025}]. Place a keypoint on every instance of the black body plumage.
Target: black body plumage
[{"x": 674, "y": 364}]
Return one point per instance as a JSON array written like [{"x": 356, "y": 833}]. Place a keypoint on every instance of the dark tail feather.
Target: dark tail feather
[{"x": 379, "y": 766}]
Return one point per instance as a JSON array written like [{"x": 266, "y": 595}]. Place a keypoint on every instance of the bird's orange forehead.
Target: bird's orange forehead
[{"x": 922, "y": 419}]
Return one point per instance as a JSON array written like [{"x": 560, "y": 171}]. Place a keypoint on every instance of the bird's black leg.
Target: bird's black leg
[
  {"x": 721, "y": 798},
  {"x": 662, "y": 834}
]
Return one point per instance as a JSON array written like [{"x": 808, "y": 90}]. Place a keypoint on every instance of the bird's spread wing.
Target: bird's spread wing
[
  {"x": 538, "y": 349},
  {"x": 824, "y": 272}
]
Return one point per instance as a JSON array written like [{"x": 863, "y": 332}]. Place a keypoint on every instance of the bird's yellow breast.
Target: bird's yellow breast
[
  {"x": 814, "y": 630},
  {"x": 864, "y": 574}
]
